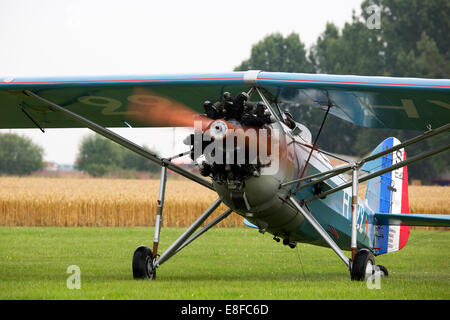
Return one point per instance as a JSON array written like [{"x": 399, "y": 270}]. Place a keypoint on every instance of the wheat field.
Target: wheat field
[
  {"x": 38, "y": 201},
  {"x": 101, "y": 202}
]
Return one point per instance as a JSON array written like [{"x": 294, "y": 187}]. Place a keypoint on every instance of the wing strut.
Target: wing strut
[
  {"x": 206, "y": 228},
  {"x": 316, "y": 225},
  {"x": 325, "y": 175},
  {"x": 32, "y": 120},
  {"x": 122, "y": 141},
  {"x": 380, "y": 172},
  {"x": 184, "y": 238}
]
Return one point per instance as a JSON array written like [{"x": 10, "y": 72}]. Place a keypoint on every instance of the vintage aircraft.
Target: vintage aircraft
[{"x": 263, "y": 164}]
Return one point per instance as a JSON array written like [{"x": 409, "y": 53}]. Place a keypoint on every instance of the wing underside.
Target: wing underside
[
  {"x": 105, "y": 101},
  {"x": 379, "y": 102}
]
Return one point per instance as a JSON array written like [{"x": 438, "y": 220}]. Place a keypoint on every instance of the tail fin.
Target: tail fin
[{"x": 388, "y": 193}]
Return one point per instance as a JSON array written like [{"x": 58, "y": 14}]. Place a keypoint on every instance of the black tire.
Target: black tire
[
  {"x": 362, "y": 258},
  {"x": 383, "y": 269},
  {"x": 143, "y": 264}
]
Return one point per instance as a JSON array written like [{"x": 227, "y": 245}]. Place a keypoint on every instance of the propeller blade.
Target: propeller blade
[{"x": 153, "y": 109}]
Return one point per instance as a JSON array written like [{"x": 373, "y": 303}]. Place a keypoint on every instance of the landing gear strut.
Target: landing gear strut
[
  {"x": 145, "y": 261},
  {"x": 362, "y": 266}
]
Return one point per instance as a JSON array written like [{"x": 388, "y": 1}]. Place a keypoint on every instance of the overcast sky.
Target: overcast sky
[{"x": 64, "y": 38}]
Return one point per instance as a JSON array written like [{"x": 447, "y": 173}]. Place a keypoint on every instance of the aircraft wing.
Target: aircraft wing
[
  {"x": 378, "y": 102},
  {"x": 104, "y": 100},
  {"x": 375, "y": 102},
  {"x": 424, "y": 220}
]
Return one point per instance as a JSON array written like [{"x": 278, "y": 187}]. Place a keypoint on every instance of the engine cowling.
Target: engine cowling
[{"x": 245, "y": 153}]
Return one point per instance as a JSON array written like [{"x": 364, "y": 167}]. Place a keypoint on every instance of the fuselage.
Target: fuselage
[{"x": 263, "y": 203}]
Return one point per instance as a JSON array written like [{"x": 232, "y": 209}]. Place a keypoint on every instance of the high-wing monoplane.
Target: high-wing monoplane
[{"x": 263, "y": 164}]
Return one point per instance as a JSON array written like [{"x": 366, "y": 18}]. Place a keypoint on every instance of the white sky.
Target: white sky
[{"x": 65, "y": 38}]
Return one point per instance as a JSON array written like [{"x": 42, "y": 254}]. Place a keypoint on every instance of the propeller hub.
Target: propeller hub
[{"x": 218, "y": 129}]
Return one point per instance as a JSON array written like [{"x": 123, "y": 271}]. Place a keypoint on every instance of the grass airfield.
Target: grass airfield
[{"x": 225, "y": 263}]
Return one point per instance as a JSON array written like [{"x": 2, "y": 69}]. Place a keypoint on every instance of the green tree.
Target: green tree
[
  {"x": 412, "y": 42},
  {"x": 355, "y": 50},
  {"x": 411, "y": 29},
  {"x": 429, "y": 62},
  {"x": 133, "y": 161},
  {"x": 415, "y": 43},
  {"x": 19, "y": 155},
  {"x": 98, "y": 156},
  {"x": 288, "y": 54},
  {"x": 278, "y": 53},
  {"x": 402, "y": 47}
]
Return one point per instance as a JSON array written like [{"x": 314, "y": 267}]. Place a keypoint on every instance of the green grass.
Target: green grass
[{"x": 225, "y": 263}]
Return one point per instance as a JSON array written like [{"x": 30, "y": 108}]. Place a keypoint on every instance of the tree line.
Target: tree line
[{"x": 97, "y": 156}]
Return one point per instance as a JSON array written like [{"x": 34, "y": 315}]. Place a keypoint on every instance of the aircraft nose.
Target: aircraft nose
[{"x": 218, "y": 129}]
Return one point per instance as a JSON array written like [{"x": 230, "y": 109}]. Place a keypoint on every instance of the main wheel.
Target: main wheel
[
  {"x": 363, "y": 266},
  {"x": 143, "y": 267}
]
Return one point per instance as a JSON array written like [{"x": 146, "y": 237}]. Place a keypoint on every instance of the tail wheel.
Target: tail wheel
[
  {"x": 383, "y": 270},
  {"x": 143, "y": 267},
  {"x": 363, "y": 266}
]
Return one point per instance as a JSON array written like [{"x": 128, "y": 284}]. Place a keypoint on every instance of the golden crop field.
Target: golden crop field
[{"x": 38, "y": 201}]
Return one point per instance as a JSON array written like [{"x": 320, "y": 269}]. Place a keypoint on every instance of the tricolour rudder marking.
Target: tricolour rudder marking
[
  {"x": 404, "y": 230},
  {"x": 388, "y": 193}
]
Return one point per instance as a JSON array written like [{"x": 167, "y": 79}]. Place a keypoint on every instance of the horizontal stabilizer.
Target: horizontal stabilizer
[
  {"x": 425, "y": 220},
  {"x": 249, "y": 224}
]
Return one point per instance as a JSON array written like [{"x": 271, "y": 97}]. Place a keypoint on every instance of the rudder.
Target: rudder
[{"x": 388, "y": 193}]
